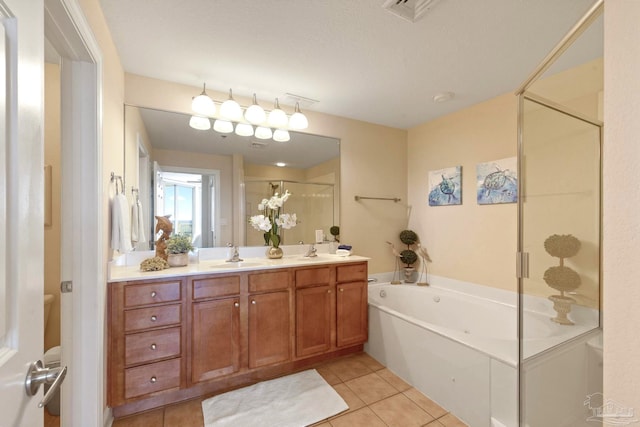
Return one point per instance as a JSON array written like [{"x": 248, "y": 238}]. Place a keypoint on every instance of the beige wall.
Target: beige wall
[
  {"x": 621, "y": 271},
  {"x": 373, "y": 163},
  {"x": 470, "y": 242},
  {"x": 52, "y": 232}
]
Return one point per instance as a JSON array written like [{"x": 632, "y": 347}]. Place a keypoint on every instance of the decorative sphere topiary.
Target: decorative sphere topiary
[
  {"x": 334, "y": 230},
  {"x": 408, "y": 257},
  {"x": 562, "y": 278},
  {"x": 562, "y": 246},
  {"x": 408, "y": 237}
]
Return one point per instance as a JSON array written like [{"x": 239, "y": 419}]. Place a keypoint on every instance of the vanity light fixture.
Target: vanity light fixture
[
  {"x": 263, "y": 132},
  {"x": 223, "y": 126},
  {"x": 281, "y": 135},
  {"x": 230, "y": 109},
  {"x": 298, "y": 120},
  {"x": 255, "y": 114},
  {"x": 203, "y": 104},
  {"x": 244, "y": 129},
  {"x": 277, "y": 118},
  {"x": 199, "y": 123}
]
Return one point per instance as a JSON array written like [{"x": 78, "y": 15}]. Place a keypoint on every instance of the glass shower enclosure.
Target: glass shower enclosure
[
  {"x": 559, "y": 236},
  {"x": 313, "y": 203}
]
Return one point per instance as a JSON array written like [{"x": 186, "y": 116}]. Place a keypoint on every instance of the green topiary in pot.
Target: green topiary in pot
[
  {"x": 335, "y": 232},
  {"x": 408, "y": 237},
  {"x": 408, "y": 257},
  {"x": 179, "y": 244}
]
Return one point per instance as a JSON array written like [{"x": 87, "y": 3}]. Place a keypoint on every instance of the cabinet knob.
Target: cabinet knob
[
  {"x": 329, "y": 291},
  {"x": 236, "y": 304},
  {"x": 154, "y": 318},
  {"x": 153, "y": 294},
  {"x": 341, "y": 289},
  {"x": 153, "y": 346},
  {"x": 153, "y": 380},
  {"x": 253, "y": 301}
]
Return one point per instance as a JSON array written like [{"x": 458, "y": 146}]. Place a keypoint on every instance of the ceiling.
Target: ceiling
[{"x": 353, "y": 56}]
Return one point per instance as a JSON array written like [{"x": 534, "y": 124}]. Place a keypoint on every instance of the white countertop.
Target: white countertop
[{"x": 119, "y": 273}]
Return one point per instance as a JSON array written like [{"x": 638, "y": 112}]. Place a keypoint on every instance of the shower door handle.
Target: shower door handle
[{"x": 522, "y": 265}]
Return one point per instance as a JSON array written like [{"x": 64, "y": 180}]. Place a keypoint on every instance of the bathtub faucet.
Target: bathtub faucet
[{"x": 312, "y": 251}]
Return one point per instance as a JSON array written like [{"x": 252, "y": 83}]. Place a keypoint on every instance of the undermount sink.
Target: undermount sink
[{"x": 239, "y": 264}]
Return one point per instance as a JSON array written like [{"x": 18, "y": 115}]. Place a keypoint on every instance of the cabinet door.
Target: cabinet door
[
  {"x": 269, "y": 329},
  {"x": 351, "y": 314},
  {"x": 313, "y": 320},
  {"x": 215, "y": 339}
]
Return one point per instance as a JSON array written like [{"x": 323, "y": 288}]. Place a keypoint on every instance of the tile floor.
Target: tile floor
[{"x": 376, "y": 398}]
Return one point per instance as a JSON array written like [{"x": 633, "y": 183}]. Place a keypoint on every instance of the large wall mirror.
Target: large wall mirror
[{"x": 211, "y": 183}]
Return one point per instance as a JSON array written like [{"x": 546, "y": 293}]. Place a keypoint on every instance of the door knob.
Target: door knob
[{"x": 38, "y": 374}]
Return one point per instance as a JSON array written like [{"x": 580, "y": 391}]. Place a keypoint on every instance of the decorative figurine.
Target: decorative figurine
[{"x": 166, "y": 227}]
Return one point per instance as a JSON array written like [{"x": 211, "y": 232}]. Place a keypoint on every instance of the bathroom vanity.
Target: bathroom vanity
[{"x": 187, "y": 332}]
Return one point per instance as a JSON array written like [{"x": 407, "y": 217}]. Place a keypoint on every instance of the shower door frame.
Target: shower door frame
[{"x": 522, "y": 257}]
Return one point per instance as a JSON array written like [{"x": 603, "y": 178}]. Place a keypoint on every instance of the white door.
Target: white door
[{"x": 21, "y": 207}]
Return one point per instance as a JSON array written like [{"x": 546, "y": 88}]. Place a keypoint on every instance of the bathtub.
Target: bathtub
[{"x": 458, "y": 344}]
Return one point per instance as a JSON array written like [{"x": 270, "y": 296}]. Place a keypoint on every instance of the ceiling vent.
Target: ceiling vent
[
  {"x": 258, "y": 144},
  {"x": 303, "y": 101},
  {"x": 411, "y": 10}
]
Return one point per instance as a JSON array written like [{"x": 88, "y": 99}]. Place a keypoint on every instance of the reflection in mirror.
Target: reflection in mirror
[{"x": 210, "y": 183}]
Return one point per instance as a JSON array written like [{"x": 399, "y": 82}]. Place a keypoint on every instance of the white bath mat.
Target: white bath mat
[{"x": 293, "y": 401}]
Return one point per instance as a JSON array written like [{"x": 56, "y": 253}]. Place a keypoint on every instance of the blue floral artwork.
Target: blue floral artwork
[
  {"x": 444, "y": 186},
  {"x": 497, "y": 181}
]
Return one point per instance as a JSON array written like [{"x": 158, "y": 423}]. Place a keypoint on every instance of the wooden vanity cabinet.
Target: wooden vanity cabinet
[
  {"x": 214, "y": 327},
  {"x": 331, "y": 308},
  {"x": 146, "y": 338},
  {"x": 270, "y": 324},
  {"x": 179, "y": 338}
]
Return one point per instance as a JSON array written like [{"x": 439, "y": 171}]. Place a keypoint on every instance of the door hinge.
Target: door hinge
[{"x": 66, "y": 286}]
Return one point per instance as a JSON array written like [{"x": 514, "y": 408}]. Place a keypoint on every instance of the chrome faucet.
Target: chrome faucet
[
  {"x": 236, "y": 255},
  {"x": 311, "y": 252}
]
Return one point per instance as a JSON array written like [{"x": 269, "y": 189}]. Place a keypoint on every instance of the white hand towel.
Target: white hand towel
[
  {"x": 137, "y": 223},
  {"x": 120, "y": 224}
]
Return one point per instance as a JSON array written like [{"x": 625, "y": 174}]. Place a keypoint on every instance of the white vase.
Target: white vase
[{"x": 178, "y": 260}]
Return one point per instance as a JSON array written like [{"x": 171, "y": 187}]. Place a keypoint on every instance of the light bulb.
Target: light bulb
[
  {"x": 223, "y": 126},
  {"x": 230, "y": 109},
  {"x": 200, "y": 123},
  {"x": 202, "y": 104},
  {"x": 281, "y": 135},
  {"x": 298, "y": 120},
  {"x": 277, "y": 117},
  {"x": 255, "y": 114},
  {"x": 244, "y": 129},
  {"x": 263, "y": 133}
]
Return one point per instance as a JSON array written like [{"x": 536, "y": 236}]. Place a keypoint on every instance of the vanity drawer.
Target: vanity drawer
[
  {"x": 214, "y": 287},
  {"x": 271, "y": 281},
  {"x": 152, "y": 317},
  {"x": 351, "y": 273},
  {"x": 313, "y": 277},
  {"x": 152, "y": 378},
  {"x": 152, "y": 293},
  {"x": 153, "y": 345}
]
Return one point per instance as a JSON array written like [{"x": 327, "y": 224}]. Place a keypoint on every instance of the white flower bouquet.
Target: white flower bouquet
[{"x": 272, "y": 220}]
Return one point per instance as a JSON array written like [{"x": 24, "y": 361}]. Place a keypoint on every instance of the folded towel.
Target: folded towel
[
  {"x": 347, "y": 247},
  {"x": 120, "y": 224},
  {"x": 137, "y": 224}
]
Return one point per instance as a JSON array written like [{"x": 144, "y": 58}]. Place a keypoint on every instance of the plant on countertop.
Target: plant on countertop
[
  {"x": 179, "y": 244},
  {"x": 335, "y": 232},
  {"x": 272, "y": 220}
]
